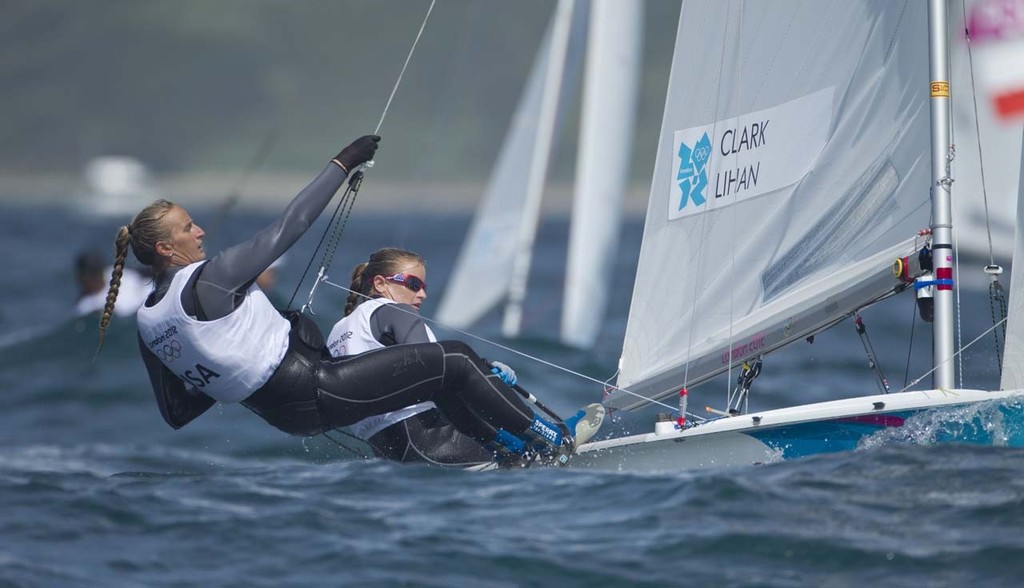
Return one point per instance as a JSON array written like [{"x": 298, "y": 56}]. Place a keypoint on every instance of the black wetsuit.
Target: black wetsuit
[
  {"x": 310, "y": 392},
  {"x": 426, "y": 436}
]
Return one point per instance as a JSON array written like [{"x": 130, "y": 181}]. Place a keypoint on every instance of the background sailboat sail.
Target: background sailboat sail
[
  {"x": 1003, "y": 38},
  {"x": 1013, "y": 355},
  {"x": 540, "y": 156},
  {"x": 976, "y": 121},
  {"x": 793, "y": 165},
  {"x": 602, "y": 165},
  {"x": 500, "y": 240},
  {"x": 493, "y": 242}
]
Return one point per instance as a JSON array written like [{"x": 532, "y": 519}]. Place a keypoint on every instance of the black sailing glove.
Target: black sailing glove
[{"x": 358, "y": 152}]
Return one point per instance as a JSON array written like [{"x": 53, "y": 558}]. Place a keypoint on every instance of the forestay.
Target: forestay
[{"x": 793, "y": 167}]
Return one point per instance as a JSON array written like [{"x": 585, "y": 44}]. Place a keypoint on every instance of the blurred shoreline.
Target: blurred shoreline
[{"x": 269, "y": 192}]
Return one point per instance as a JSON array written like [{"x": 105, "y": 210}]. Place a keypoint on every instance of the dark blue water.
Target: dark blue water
[{"x": 95, "y": 490}]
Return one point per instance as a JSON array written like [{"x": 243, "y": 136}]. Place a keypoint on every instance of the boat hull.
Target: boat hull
[{"x": 920, "y": 417}]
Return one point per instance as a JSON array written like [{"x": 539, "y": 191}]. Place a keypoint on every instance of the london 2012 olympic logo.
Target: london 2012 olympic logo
[
  {"x": 169, "y": 351},
  {"x": 692, "y": 176}
]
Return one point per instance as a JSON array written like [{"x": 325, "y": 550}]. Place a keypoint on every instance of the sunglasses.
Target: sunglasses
[{"x": 409, "y": 281}]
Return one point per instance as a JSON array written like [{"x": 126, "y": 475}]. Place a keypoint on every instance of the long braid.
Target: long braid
[
  {"x": 356, "y": 293},
  {"x": 143, "y": 233},
  {"x": 124, "y": 235}
]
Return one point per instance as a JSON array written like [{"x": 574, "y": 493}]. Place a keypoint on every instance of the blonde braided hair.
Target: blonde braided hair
[{"x": 142, "y": 234}]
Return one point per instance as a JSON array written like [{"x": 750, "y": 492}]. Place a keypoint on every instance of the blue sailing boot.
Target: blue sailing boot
[{"x": 551, "y": 443}]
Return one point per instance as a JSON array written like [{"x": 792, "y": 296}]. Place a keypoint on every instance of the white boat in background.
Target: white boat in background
[
  {"x": 804, "y": 147},
  {"x": 115, "y": 185},
  {"x": 500, "y": 241}
]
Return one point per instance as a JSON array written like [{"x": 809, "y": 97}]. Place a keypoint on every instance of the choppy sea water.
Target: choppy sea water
[{"x": 95, "y": 490}]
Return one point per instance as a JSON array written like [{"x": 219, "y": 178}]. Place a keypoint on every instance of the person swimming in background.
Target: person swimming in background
[
  {"x": 207, "y": 333},
  {"x": 383, "y": 310},
  {"x": 92, "y": 275}
]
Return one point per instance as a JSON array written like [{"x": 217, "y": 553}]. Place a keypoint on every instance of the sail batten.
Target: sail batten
[{"x": 792, "y": 168}]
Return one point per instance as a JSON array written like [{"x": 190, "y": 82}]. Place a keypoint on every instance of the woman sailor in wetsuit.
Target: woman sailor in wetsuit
[
  {"x": 207, "y": 333},
  {"x": 383, "y": 309}
]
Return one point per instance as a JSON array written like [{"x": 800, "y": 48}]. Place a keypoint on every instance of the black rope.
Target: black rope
[
  {"x": 334, "y": 230},
  {"x": 910, "y": 348},
  {"x": 997, "y": 298},
  {"x": 346, "y": 208}
]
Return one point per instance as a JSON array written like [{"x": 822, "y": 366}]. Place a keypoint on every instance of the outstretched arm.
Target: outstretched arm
[{"x": 223, "y": 281}]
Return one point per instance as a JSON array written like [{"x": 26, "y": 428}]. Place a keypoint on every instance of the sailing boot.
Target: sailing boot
[
  {"x": 585, "y": 423},
  {"x": 551, "y": 443}
]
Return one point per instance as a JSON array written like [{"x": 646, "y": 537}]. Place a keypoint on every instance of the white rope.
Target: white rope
[
  {"x": 506, "y": 348},
  {"x": 321, "y": 277},
  {"x": 977, "y": 127},
  {"x": 962, "y": 349},
  {"x": 404, "y": 66}
]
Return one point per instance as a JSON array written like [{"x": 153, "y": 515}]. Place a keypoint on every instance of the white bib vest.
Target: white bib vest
[
  {"x": 228, "y": 358},
  {"x": 352, "y": 335}
]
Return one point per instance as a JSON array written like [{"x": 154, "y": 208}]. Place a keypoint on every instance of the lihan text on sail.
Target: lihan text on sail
[
  {"x": 732, "y": 181},
  {"x": 734, "y": 141}
]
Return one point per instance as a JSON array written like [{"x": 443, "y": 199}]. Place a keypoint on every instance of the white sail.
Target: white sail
[
  {"x": 540, "y": 157},
  {"x": 793, "y": 163},
  {"x": 603, "y": 164},
  {"x": 484, "y": 268},
  {"x": 1003, "y": 41},
  {"x": 981, "y": 137},
  {"x": 1013, "y": 355}
]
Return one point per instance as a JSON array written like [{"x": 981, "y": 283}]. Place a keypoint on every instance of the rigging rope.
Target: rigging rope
[
  {"x": 981, "y": 160},
  {"x": 957, "y": 353},
  {"x": 522, "y": 354},
  {"x": 997, "y": 298},
  {"x": 336, "y": 227},
  {"x": 997, "y": 307},
  {"x": 343, "y": 203},
  {"x": 404, "y": 66},
  {"x": 910, "y": 348}
]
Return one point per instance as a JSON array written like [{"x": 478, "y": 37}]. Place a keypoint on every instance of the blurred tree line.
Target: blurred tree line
[{"x": 198, "y": 85}]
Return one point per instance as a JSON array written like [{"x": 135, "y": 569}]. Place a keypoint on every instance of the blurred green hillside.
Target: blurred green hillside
[{"x": 197, "y": 86}]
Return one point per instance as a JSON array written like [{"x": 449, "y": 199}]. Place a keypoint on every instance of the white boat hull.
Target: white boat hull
[{"x": 926, "y": 417}]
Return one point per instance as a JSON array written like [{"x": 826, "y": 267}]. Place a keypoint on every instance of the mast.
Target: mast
[
  {"x": 538, "y": 168},
  {"x": 942, "y": 225}
]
